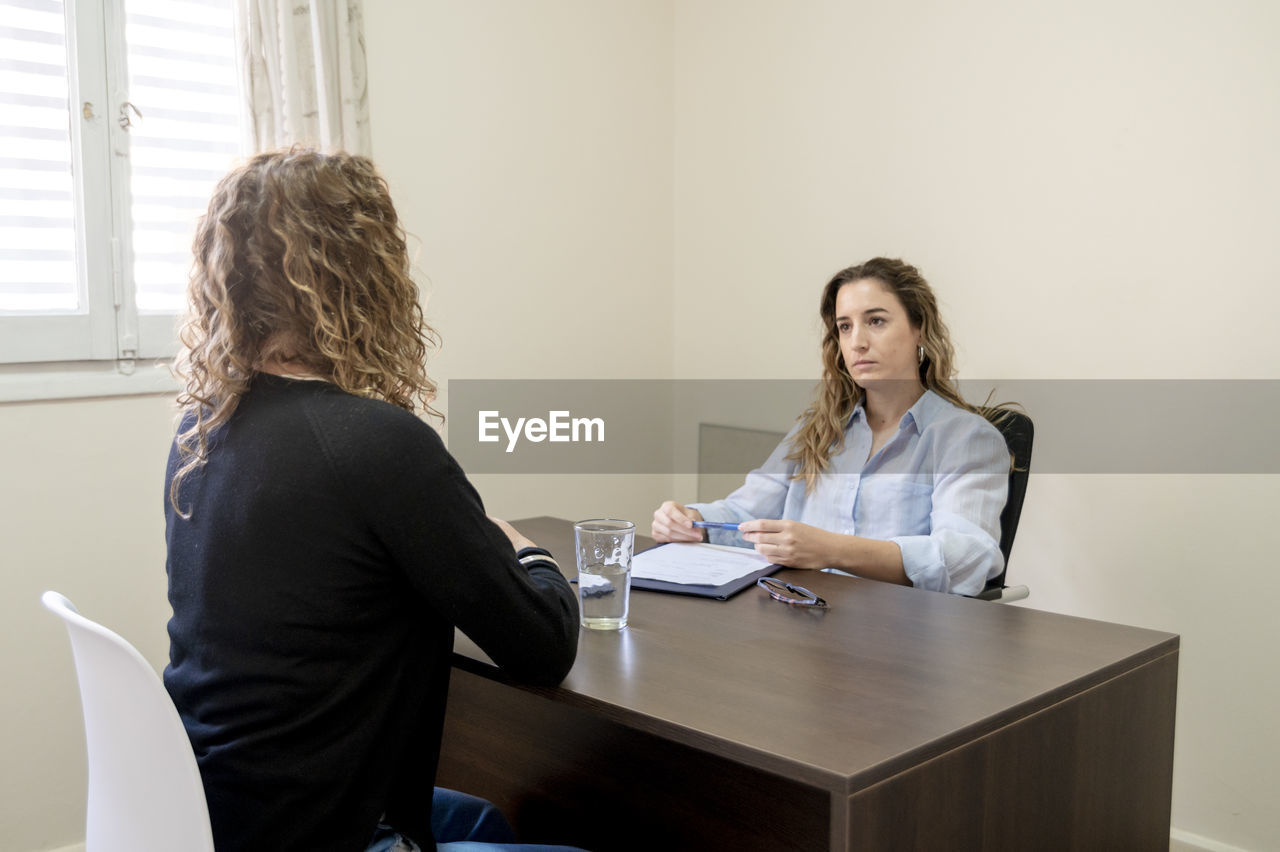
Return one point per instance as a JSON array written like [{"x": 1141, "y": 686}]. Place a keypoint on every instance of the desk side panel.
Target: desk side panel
[
  {"x": 1094, "y": 771},
  {"x": 564, "y": 775}
]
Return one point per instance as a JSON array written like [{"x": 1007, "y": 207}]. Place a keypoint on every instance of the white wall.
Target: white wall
[
  {"x": 1092, "y": 188},
  {"x": 650, "y": 184},
  {"x": 81, "y": 512},
  {"x": 528, "y": 146}
]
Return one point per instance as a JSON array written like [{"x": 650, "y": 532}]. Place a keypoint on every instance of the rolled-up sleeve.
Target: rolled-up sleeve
[{"x": 962, "y": 550}]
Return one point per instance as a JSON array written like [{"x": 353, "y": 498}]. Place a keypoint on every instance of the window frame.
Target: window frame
[{"x": 106, "y": 346}]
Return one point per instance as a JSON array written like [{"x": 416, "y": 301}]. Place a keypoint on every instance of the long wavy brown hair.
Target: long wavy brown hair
[
  {"x": 302, "y": 262},
  {"x": 821, "y": 433}
]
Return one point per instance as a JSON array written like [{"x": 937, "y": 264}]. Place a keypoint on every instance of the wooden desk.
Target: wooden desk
[{"x": 896, "y": 719}]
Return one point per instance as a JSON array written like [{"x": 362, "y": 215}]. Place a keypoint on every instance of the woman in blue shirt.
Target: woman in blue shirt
[{"x": 889, "y": 474}]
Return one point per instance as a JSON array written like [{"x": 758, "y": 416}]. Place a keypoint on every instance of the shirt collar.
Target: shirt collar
[{"x": 918, "y": 416}]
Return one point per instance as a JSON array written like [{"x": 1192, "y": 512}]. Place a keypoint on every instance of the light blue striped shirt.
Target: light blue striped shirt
[{"x": 936, "y": 489}]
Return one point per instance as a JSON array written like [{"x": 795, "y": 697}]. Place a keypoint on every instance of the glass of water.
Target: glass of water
[{"x": 604, "y": 547}]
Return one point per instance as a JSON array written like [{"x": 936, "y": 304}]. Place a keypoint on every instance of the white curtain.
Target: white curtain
[{"x": 302, "y": 69}]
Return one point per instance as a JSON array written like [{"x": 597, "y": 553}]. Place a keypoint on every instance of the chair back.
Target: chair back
[
  {"x": 1019, "y": 433},
  {"x": 145, "y": 793}
]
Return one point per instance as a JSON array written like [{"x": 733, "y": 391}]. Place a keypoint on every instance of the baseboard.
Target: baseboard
[{"x": 1185, "y": 841}]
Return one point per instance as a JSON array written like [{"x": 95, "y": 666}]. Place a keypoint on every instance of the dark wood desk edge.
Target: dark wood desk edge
[
  {"x": 808, "y": 774},
  {"x": 958, "y": 739},
  {"x": 736, "y": 752}
]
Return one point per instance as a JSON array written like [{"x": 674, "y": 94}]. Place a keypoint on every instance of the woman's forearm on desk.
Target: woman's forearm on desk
[{"x": 798, "y": 545}]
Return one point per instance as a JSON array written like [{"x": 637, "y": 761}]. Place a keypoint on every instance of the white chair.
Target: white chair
[{"x": 145, "y": 793}]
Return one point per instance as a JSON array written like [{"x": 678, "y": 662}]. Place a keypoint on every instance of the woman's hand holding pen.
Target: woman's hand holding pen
[
  {"x": 674, "y": 522},
  {"x": 791, "y": 543}
]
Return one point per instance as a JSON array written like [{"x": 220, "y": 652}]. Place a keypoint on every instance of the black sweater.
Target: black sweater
[{"x": 332, "y": 547}]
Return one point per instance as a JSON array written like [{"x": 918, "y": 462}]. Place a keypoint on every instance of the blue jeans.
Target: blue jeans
[{"x": 461, "y": 823}]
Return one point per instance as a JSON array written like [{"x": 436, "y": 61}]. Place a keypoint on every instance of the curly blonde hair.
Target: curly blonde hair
[
  {"x": 300, "y": 261},
  {"x": 821, "y": 433}
]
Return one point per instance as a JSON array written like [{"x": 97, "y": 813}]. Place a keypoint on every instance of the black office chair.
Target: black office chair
[{"x": 1018, "y": 431}]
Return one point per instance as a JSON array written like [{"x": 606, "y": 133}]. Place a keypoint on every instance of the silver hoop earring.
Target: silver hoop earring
[{"x": 920, "y": 354}]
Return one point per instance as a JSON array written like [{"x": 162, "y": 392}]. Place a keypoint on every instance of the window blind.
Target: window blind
[
  {"x": 182, "y": 80},
  {"x": 37, "y": 207}
]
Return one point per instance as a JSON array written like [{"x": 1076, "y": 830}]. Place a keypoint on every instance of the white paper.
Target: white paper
[{"x": 696, "y": 564}]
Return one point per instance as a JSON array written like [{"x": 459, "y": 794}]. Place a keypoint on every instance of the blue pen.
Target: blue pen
[{"x": 715, "y": 525}]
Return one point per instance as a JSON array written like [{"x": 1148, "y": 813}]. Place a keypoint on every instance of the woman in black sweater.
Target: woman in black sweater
[{"x": 322, "y": 543}]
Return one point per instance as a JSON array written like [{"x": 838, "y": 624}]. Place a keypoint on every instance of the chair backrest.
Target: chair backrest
[
  {"x": 1019, "y": 433},
  {"x": 145, "y": 793}
]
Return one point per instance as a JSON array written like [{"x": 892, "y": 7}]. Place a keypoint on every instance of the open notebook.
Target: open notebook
[{"x": 704, "y": 570}]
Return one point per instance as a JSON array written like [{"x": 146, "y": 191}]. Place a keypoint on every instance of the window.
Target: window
[{"x": 116, "y": 120}]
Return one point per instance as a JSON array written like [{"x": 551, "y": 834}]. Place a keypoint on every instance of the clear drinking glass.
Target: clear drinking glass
[{"x": 604, "y": 547}]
